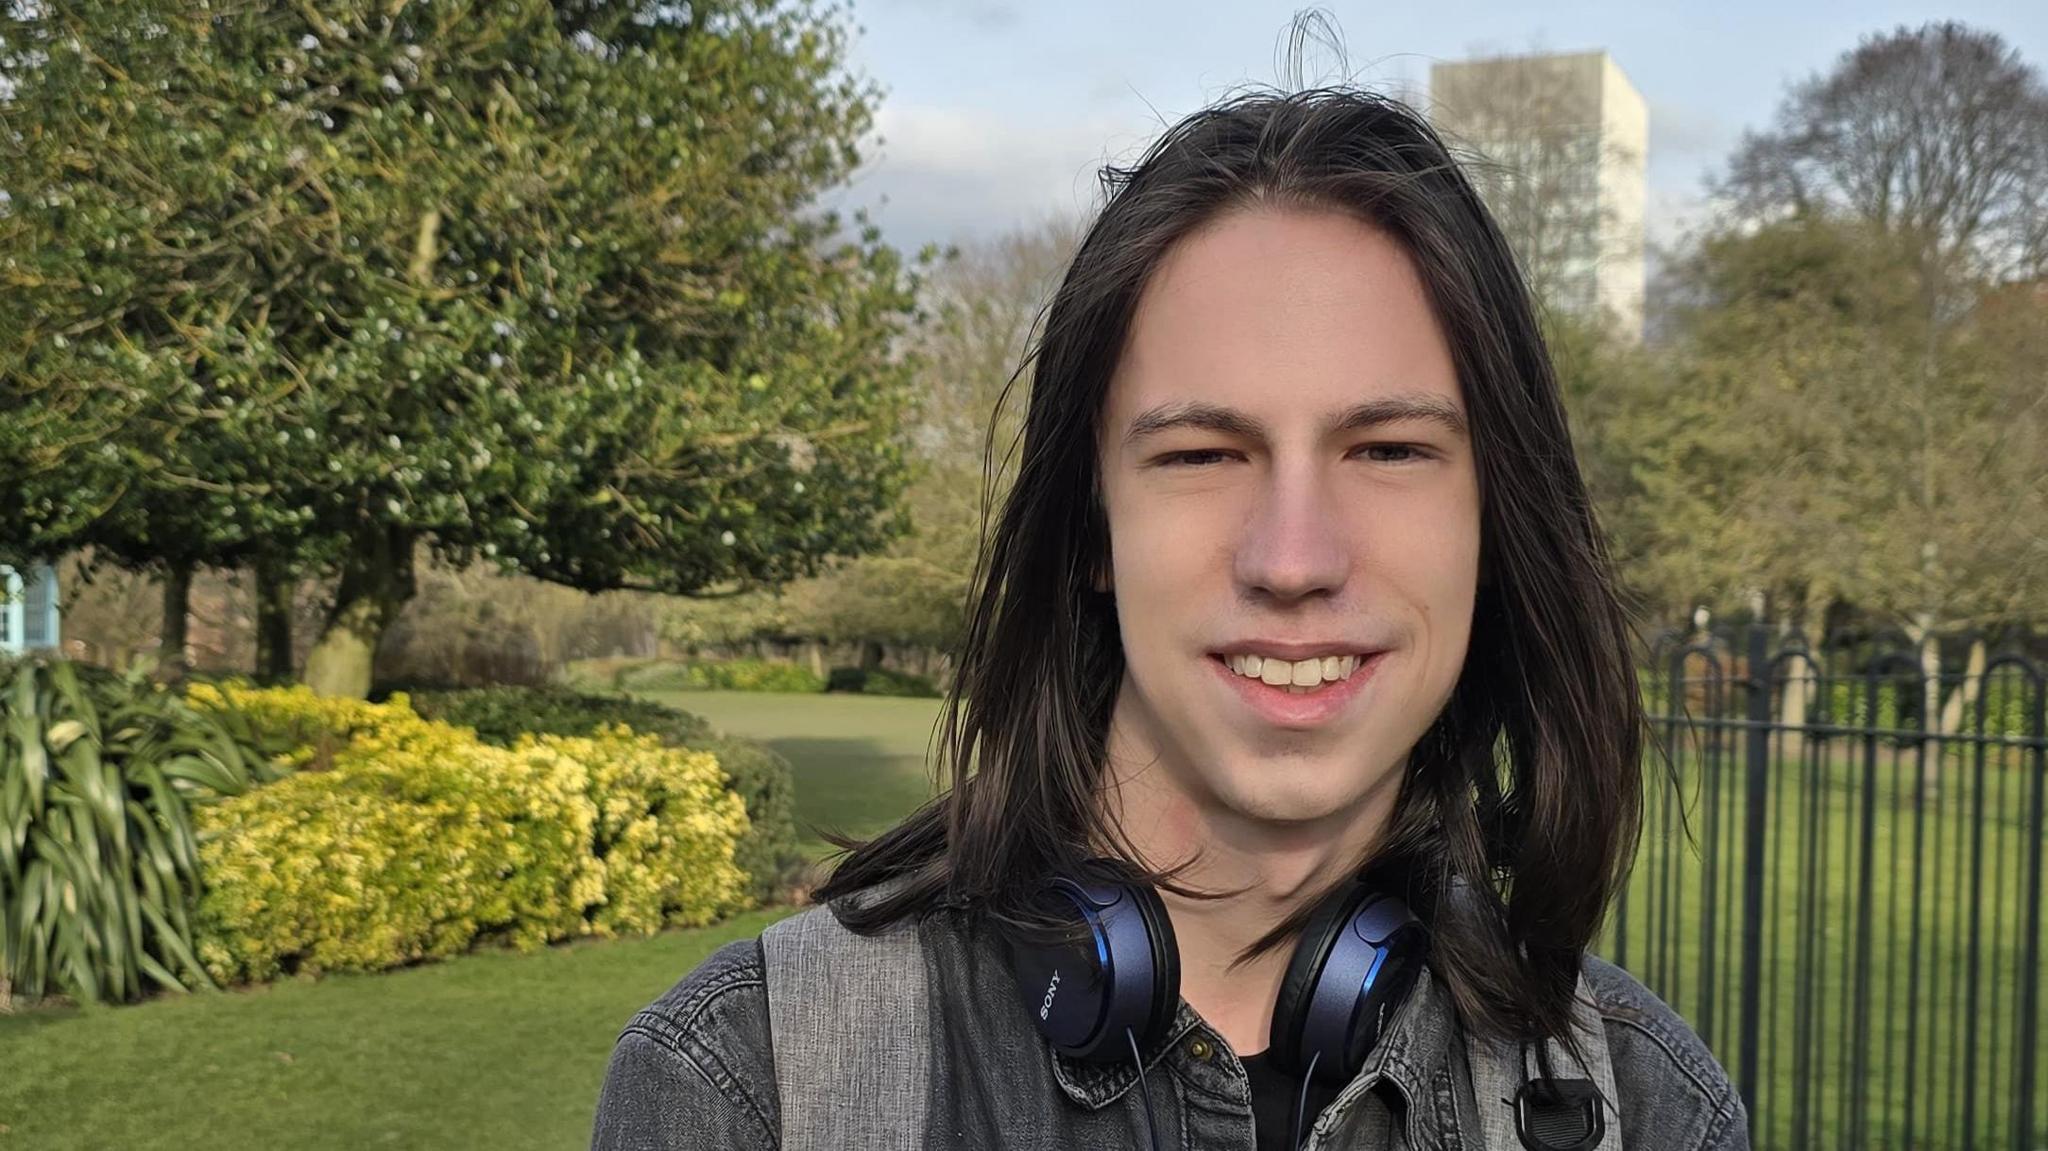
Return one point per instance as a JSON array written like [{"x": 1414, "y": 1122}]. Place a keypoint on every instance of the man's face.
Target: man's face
[{"x": 1287, "y": 476}]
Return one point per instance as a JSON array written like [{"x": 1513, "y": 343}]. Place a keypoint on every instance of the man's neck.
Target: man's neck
[{"x": 1276, "y": 867}]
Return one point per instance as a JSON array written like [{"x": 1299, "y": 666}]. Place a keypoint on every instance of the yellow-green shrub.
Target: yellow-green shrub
[
  {"x": 300, "y": 728},
  {"x": 410, "y": 839},
  {"x": 666, "y": 824}
]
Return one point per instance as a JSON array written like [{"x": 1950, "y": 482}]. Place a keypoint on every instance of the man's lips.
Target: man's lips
[{"x": 1284, "y": 708}]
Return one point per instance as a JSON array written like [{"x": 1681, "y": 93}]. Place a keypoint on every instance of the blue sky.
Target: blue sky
[{"x": 996, "y": 113}]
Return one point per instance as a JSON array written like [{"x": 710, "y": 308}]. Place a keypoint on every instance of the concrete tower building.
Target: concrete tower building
[{"x": 1558, "y": 145}]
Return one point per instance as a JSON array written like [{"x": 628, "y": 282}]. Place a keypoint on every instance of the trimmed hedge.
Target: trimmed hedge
[
  {"x": 641, "y": 673},
  {"x": 881, "y": 681},
  {"x": 767, "y": 851},
  {"x": 397, "y": 838},
  {"x": 1899, "y": 706},
  {"x": 500, "y": 715},
  {"x": 722, "y": 675},
  {"x": 599, "y": 673}
]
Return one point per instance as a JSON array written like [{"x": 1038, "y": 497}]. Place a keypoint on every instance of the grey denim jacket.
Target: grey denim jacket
[{"x": 695, "y": 1069}]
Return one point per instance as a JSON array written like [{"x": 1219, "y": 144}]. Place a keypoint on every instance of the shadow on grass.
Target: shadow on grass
[{"x": 851, "y": 786}]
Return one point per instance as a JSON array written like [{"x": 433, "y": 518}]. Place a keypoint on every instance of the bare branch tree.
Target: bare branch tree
[
  {"x": 1939, "y": 133},
  {"x": 987, "y": 300}
]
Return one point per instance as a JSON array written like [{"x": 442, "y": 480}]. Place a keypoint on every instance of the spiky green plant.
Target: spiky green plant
[{"x": 99, "y": 867}]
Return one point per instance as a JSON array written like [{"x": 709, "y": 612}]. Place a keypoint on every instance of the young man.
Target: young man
[{"x": 1298, "y": 616}]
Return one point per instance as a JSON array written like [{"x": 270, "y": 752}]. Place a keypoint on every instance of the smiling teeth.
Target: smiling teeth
[{"x": 1303, "y": 674}]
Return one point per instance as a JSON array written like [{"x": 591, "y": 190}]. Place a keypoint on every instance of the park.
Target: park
[{"x": 485, "y": 522}]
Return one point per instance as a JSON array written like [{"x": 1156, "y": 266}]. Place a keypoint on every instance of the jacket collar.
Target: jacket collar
[
  {"x": 1096, "y": 1085},
  {"x": 1414, "y": 1048}
]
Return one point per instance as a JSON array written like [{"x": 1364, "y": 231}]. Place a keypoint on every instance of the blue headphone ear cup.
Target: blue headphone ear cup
[
  {"x": 1357, "y": 958},
  {"x": 1311, "y": 952},
  {"x": 1121, "y": 969},
  {"x": 1165, "y": 964}
]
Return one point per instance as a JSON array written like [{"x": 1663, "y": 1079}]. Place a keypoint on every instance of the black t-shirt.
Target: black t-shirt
[{"x": 1274, "y": 1093}]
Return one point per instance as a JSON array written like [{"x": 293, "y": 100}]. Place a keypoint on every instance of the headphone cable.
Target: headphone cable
[
  {"x": 1151, "y": 1122},
  {"x": 1301, "y": 1100}
]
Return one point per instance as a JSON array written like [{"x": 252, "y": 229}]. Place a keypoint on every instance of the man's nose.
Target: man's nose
[{"x": 1295, "y": 542}]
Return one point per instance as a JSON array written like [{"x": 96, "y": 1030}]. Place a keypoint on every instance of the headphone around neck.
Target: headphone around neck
[{"x": 1115, "y": 985}]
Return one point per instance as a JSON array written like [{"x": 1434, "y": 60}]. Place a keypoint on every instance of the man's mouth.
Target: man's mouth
[
  {"x": 1296, "y": 676},
  {"x": 1294, "y": 702}
]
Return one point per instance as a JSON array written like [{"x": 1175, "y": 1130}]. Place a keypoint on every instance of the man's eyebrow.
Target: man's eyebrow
[{"x": 1230, "y": 421}]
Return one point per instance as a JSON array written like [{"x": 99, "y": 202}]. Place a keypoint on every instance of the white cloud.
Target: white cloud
[{"x": 952, "y": 173}]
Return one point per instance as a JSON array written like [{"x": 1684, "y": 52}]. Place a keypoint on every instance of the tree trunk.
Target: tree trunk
[
  {"x": 1930, "y": 596},
  {"x": 1922, "y": 633},
  {"x": 870, "y": 655},
  {"x": 376, "y": 582},
  {"x": 1800, "y": 675},
  {"x": 1956, "y": 713},
  {"x": 173, "y": 663},
  {"x": 273, "y": 622}
]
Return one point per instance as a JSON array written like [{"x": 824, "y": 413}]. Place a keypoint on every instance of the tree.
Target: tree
[
  {"x": 1938, "y": 138},
  {"x": 972, "y": 385},
  {"x": 533, "y": 283},
  {"x": 1797, "y": 453},
  {"x": 101, "y": 451},
  {"x": 1789, "y": 353},
  {"x": 1610, "y": 383},
  {"x": 985, "y": 303},
  {"x": 1939, "y": 133}
]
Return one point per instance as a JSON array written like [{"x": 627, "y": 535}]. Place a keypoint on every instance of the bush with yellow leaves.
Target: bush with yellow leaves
[
  {"x": 659, "y": 813},
  {"x": 396, "y": 839}
]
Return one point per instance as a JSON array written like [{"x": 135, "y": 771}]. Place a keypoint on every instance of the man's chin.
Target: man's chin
[{"x": 1289, "y": 808}]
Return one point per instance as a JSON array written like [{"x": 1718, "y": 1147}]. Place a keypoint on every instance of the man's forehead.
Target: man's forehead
[{"x": 1287, "y": 320}]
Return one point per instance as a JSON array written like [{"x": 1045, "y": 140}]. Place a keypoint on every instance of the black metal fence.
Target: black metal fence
[{"x": 1840, "y": 886}]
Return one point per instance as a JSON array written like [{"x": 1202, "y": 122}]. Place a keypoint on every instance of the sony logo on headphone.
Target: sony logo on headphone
[{"x": 1051, "y": 990}]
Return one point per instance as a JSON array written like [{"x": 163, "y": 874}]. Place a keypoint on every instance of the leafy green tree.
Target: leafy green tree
[
  {"x": 1936, "y": 138},
  {"x": 971, "y": 389},
  {"x": 536, "y": 283},
  {"x": 1609, "y": 380},
  {"x": 1755, "y": 460},
  {"x": 1797, "y": 451}
]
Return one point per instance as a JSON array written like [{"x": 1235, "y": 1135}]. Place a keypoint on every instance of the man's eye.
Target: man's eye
[
  {"x": 1378, "y": 453},
  {"x": 1195, "y": 458}
]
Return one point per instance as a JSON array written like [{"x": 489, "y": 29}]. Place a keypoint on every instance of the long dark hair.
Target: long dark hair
[{"x": 1520, "y": 807}]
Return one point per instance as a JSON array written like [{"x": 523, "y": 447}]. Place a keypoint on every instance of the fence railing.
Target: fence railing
[{"x": 1840, "y": 886}]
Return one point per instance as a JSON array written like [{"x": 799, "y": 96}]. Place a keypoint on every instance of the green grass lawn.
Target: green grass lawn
[
  {"x": 493, "y": 1050},
  {"x": 860, "y": 762}
]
